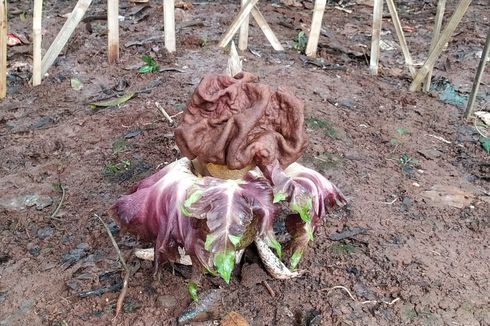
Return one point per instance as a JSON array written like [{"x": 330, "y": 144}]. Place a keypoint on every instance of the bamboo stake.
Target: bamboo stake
[
  {"x": 243, "y": 36},
  {"x": 443, "y": 39},
  {"x": 169, "y": 24},
  {"x": 441, "y": 7},
  {"x": 37, "y": 38},
  {"x": 64, "y": 34},
  {"x": 376, "y": 35},
  {"x": 3, "y": 49},
  {"x": 244, "y": 12},
  {"x": 479, "y": 73},
  {"x": 401, "y": 36},
  {"x": 113, "y": 30},
  {"x": 316, "y": 25},
  {"x": 266, "y": 29}
]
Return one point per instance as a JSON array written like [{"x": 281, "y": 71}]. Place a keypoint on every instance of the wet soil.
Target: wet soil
[{"x": 417, "y": 261}]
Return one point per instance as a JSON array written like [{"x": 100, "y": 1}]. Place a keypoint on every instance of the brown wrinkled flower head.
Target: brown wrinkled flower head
[{"x": 236, "y": 121}]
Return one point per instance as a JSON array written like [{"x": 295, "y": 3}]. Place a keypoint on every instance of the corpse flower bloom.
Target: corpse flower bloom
[{"x": 240, "y": 140}]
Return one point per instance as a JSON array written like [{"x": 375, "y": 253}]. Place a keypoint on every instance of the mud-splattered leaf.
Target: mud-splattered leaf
[
  {"x": 112, "y": 102},
  {"x": 193, "y": 291},
  {"x": 224, "y": 263},
  {"x": 76, "y": 84},
  {"x": 295, "y": 258},
  {"x": 485, "y": 143}
]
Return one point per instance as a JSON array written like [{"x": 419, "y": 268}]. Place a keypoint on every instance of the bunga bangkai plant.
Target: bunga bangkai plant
[{"x": 240, "y": 140}]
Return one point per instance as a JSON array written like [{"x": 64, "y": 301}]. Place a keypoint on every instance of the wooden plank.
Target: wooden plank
[
  {"x": 64, "y": 34},
  {"x": 401, "y": 37},
  {"x": 266, "y": 29},
  {"x": 113, "y": 30},
  {"x": 244, "y": 12},
  {"x": 169, "y": 24},
  {"x": 243, "y": 36},
  {"x": 441, "y": 7},
  {"x": 37, "y": 38},
  {"x": 3, "y": 48},
  {"x": 316, "y": 25},
  {"x": 443, "y": 39},
  {"x": 477, "y": 81},
  {"x": 376, "y": 36}
]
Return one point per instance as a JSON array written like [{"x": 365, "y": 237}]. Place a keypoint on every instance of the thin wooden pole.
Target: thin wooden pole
[
  {"x": 479, "y": 73},
  {"x": 441, "y": 7},
  {"x": 266, "y": 29},
  {"x": 113, "y": 30},
  {"x": 64, "y": 34},
  {"x": 376, "y": 36},
  {"x": 316, "y": 25},
  {"x": 401, "y": 37},
  {"x": 443, "y": 39},
  {"x": 3, "y": 48},
  {"x": 37, "y": 38},
  {"x": 244, "y": 12},
  {"x": 169, "y": 24},
  {"x": 243, "y": 36}
]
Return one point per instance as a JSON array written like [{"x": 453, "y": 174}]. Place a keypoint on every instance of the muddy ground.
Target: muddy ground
[{"x": 403, "y": 159}]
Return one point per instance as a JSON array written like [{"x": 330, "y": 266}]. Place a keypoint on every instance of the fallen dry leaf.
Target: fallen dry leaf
[
  {"x": 234, "y": 319},
  {"x": 440, "y": 195},
  {"x": 183, "y": 5}
]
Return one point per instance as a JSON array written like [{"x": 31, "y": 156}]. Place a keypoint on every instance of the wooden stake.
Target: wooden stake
[
  {"x": 316, "y": 25},
  {"x": 37, "y": 38},
  {"x": 376, "y": 36},
  {"x": 266, "y": 29},
  {"x": 443, "y": 39},
  {"x": 243, "y": 36},
  {"x": 244, "y": 13},
  {"x": 401, "y": 37},
  {"x": 169, "y": 24},
  {"x": 3, "y": 48},
  {"x": 113, "y": 30},
  {"x": 479, "y": 73},
  {"x": 64, "y": 34},
  {"x": 441, "y": 7}
]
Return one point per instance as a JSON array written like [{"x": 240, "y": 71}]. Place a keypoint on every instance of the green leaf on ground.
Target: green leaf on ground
[{"x": 112, "y": 102}]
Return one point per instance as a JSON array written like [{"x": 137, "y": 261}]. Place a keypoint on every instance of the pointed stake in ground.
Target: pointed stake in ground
[
  {"x": 401, "y": 37},
  {"x": 243, "y": 36},
  {"x": 476, "y": 83},
  {"x": 376, "y": 36},
  {"x": 234, "y": 62},
  {"x": 266, "y": 29},
  {"x": 443, "y": 39},
  {"x": 441, "y": 7},
  {"x": 169, "y": 24},
  {"x": 242, "y": 16},
  {"x": 37, "y": 38},
  {"x": 316, "y": 25},
  {"x": 3, "y": 48},
  {"x": 64, "y": 34},
  {"x": 113, "y": 30}
]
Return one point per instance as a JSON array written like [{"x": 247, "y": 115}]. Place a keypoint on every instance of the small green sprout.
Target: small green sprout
[
  {"x": 300, "y": 41},
  {"x": 149, "y": 66}
]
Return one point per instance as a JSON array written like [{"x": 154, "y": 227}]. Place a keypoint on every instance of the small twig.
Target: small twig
[
  {"x": 440, "y": 138},
  {"x": 343, "y": 9},
  {"x": 165, "y": 114},
  {"x": 53, "y": 215},
  {"x": 176, "y": 114},
  {"x": 120, "y": 300},
  {"x": 390, "y": 202},
  {"x": 361, "y": 302},
  {"x": 268, "y": 287}
]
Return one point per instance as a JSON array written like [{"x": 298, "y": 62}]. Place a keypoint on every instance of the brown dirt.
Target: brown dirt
[{"x": 435, "y": 259}]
